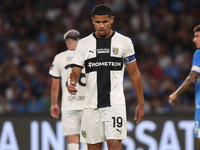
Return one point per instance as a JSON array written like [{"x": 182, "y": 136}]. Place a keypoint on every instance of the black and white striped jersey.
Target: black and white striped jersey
[{"x": 104, "y": 60}]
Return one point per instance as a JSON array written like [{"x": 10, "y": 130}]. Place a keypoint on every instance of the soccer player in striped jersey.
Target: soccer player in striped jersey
[{"x": 104, "y": 54}]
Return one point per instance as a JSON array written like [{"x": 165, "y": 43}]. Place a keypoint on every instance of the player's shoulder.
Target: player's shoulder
[
  {"x": 196, "y": 56},
  {"x": 121, "y": 37},
  {"x": 86, "y": 39},
  {"x": 197, "y": 52},
  {"x": 63, "y": 54}
]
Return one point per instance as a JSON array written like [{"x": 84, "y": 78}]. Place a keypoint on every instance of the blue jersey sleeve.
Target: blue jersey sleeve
[{"x": 196, "y": 58}]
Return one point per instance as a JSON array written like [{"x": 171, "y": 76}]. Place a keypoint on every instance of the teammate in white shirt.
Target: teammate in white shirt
[
  {"x": 71, "y": 105},
  {"x": 103, "y": 54}
]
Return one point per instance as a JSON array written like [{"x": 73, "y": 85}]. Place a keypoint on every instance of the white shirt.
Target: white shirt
[{"x": 61, "y": 68}]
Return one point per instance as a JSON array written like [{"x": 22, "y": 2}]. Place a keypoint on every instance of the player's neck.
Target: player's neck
[
  {"x": 72, "y": 47},
  {"x": 107, "y": 36}
]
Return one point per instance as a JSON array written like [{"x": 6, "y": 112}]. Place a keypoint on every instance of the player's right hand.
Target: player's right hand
[
  {"x": 172, "y": 97},
  {"x": 55, "y": 111},
  {"x": 71, "y": 87}
]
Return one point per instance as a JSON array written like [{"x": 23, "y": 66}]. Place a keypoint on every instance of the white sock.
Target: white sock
[{"x": 73, "y": 146}]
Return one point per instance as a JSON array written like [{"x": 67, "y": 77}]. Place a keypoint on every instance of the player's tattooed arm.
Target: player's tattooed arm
[{"x": 191, "y": 79}]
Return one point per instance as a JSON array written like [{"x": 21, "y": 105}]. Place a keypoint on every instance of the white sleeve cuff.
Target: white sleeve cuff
[{"x": 196, "y": 69}]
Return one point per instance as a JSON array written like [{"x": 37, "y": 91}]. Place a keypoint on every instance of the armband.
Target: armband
[{"x": 129, "y": 59}]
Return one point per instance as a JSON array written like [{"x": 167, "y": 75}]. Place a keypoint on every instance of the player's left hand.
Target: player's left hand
[{"x": 139, "y": 113}]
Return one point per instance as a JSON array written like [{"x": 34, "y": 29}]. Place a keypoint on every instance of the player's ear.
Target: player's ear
[
  {"x": 112, "y": 19},
  {"x": 67, "y": 44},
  {"x": 92, "y": 20}
]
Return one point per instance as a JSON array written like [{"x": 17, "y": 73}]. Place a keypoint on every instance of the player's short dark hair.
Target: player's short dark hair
[
  {"x": 72, "y": 34},
  {"x": 197, "y": 28},
  {"x": 101, "y": 9}
]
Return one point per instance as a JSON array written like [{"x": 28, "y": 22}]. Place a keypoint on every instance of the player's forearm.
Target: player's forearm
[
  {"x": 191, "y": 79},
  {"x": 186, "y": 84},
  {"x": 75, "y": 74},
  {"x": 137, "y": 86},
  {"x": 55, "y": 85},
  {"x": 54, "y": 95}
]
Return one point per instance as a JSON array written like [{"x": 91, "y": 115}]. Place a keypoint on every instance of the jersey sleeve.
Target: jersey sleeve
[
  {"x": 54, "y": 69},
  {"x": 196, "y": 62},
  {"x": 78, "y": 59},
  {"x": 129, "y": 55}
]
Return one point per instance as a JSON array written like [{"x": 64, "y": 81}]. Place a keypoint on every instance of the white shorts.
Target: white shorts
[
  {"x": 71, "y": 121},
  {"x": 99, "y": 125}
]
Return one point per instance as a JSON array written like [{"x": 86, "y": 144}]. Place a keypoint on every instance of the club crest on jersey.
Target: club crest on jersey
[
  {"x": 83, "y": 133},
  {"x": 115, "y": 50}
]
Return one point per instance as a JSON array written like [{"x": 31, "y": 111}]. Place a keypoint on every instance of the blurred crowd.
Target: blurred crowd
[{"x": 31, "y": 34}]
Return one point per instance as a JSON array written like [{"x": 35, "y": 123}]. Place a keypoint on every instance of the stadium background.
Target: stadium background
[{"x": 31, "y": 34}]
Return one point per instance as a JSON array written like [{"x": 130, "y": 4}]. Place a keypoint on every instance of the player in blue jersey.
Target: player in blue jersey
[
  {"x": 104, "y": 55},
  {"x": 194, "y": 77}
]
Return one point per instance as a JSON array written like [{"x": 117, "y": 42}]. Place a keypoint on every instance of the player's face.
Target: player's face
[
  {"x": 196, "y": 39},
  {"x": 102, "y": 25}
]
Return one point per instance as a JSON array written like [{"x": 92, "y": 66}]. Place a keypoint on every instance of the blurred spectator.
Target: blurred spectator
[
  {"x": 5, "y": 106},
  {"x": 35, "y": 105}
]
